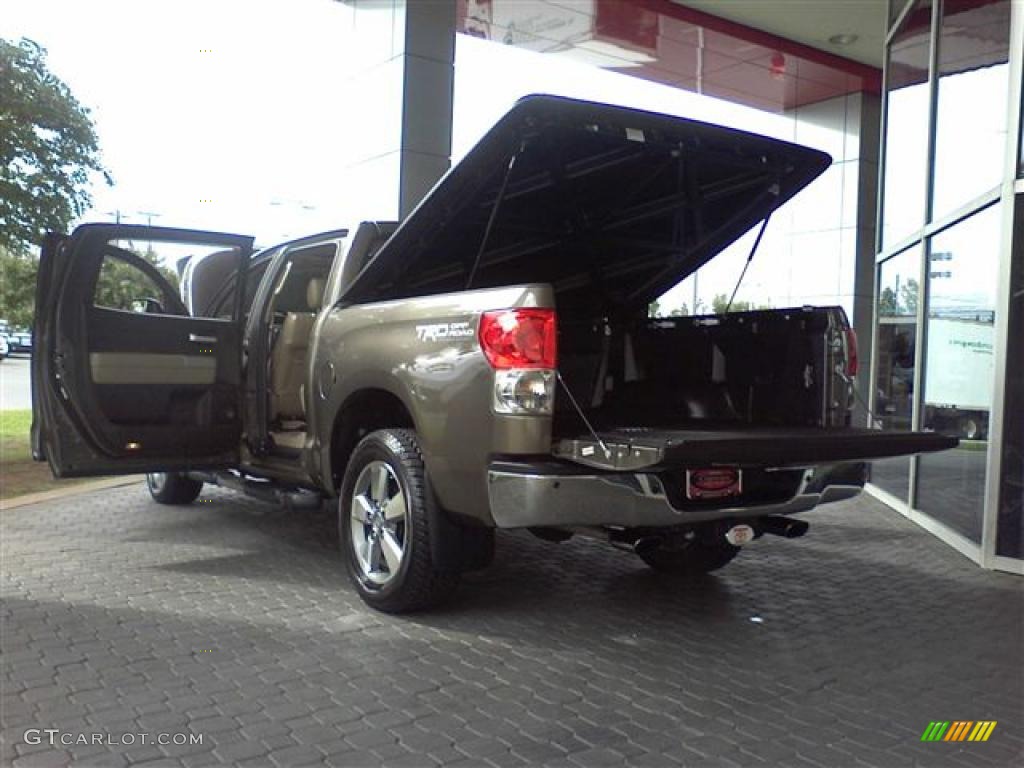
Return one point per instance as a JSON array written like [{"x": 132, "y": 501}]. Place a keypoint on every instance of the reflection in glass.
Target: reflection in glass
[
  {"x": 1010, "y": 517},
  {"x": 895, "y": 8},
  {"x": 897, "y": 341},
  {"x": 906, "y": 132},
  {"x": 959, "y": 368},
  {"x": 970, "y": 129}
]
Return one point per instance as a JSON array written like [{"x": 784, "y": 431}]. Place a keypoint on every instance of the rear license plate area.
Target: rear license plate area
[{"x": 713, "y": 483}]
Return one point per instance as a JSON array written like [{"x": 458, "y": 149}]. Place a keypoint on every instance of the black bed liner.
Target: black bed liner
[{"x": 744, "y": 445}]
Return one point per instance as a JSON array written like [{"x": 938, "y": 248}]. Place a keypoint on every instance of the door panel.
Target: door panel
[
  {"x": 119, "y": 391},
  {"x": 145, "y": 368}
]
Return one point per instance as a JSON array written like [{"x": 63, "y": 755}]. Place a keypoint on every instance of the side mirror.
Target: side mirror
[{"x": 148, "y": 306}]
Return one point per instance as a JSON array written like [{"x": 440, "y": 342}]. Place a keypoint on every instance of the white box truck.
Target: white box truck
[{"x": 959, "y": 376}]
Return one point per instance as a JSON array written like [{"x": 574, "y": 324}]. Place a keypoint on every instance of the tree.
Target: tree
[
  {"x": 120, "y": 284},
  {"x": 654, "y": 310},
  {"x": 48, "y": 149},
  {"x": 908, "y": 296},
  {"x": 888, "y": 305},
  {"x": 17, "y": 287},
  {"x": 721, "y": 302}
]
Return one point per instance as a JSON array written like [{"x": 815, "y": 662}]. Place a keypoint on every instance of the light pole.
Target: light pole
[{"x": 150, "y": 215}]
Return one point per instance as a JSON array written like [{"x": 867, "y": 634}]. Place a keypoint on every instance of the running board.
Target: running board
[{"x": 264, "y": 490}]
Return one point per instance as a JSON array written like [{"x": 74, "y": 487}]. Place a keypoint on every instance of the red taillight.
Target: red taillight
[
  {"x": 851, "y": 352},
  {"x": 519, "y": 338}
]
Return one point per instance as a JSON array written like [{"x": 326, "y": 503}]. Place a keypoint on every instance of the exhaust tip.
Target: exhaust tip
[{"x": 786, "y": 527}]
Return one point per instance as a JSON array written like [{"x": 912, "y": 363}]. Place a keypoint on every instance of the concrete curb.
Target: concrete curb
[{"x": 63, "y": 493}]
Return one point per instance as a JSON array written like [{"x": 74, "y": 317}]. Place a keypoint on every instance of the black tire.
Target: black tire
[
  {"x": 172, "y": 488},
  {"x": 417, "y": 583},
  {"x": 693, "y": 559}
]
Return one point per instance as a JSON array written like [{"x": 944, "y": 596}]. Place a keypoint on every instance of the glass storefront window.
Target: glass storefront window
[
  {"x": 906, "y": 133},
  {"x": 1010, "y": 516},
  {"x": 959, "y": 368},
  {"x": 1020, "y": 156},
  {"x": 895, "y": 9},
  {"x": 970, "y": 127},
  {"x": 897, "y": 341}
]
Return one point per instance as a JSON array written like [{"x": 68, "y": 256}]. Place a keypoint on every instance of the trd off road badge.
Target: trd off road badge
[{"x": 442, "y": 331}]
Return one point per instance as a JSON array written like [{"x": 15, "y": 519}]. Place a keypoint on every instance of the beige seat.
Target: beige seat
[{"x": 288, "y": 358}]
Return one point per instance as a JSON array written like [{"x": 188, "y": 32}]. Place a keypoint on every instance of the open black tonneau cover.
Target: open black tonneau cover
[{"x": 611, "y": 205}]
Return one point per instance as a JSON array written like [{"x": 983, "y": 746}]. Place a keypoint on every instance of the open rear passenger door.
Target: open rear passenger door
[{"x": 124, "y": 380}]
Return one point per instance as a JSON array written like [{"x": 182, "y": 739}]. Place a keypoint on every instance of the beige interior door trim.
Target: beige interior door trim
[{"x": 144, "y": 368}]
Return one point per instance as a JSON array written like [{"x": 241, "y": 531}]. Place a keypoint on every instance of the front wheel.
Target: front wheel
[
  {"x": 693, "y": 558},
  {"x": 172, "y": 487},
  {"x": 384, "y": 512}
]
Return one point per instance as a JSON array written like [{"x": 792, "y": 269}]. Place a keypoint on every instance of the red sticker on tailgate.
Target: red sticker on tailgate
[{"x": 713, "y": 483}]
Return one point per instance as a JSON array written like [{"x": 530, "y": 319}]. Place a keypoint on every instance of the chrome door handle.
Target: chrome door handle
[{"x": 195, "y": 337}]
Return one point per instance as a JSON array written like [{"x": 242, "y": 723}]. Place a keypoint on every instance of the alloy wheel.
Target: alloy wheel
[
  {"x": 379, "y": 520},
  {"x": 156, "y": 482}
]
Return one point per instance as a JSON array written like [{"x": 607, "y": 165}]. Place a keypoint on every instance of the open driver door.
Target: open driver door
[{"x": 125, "y": 383}]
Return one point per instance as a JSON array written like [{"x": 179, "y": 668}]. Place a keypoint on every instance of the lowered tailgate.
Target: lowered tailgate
[{"x": 743, "y": 446}]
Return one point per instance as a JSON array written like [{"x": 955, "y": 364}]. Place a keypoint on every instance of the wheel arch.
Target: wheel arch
[
  {"x": 454, "y": 546},
  {"x": 362, "y": 412}
]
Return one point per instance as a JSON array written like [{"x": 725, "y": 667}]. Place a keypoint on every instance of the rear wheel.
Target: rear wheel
[
  {"x": 384, "y": 512},
  {"x": 691, "y": 558},
  {"x": 173, "y": 487}
]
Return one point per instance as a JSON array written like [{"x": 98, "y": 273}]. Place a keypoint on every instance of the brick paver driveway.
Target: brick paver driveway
[{"x": 233, "y": 619}]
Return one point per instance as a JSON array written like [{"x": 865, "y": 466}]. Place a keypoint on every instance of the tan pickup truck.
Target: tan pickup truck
[{"x": 487, "y": 363}]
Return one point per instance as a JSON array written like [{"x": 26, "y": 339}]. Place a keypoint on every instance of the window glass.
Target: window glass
[
  {"x": 897, "y": 342},
  {"x": 906, "y": 133},
  {"x": 1010, "y": 518},
  {"x": 895, "y": 7},
  {"x": 125, "y": 285},
  {"x": 223, "y": 305},
  {"x": 1020, "y": 161},
  {"x": 207, "y": 274},
  {"x": 193, "y": 276},
  {"x": 970, "y": 128},
  {"x": 959, "y": 368},
  {"x": 292, "y": 292}
]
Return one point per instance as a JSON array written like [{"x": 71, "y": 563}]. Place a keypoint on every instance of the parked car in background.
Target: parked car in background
[
  {"x": 4, "y": 348},
  {"x": 20, "y": 342}
]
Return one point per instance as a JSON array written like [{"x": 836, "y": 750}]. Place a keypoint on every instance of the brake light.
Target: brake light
[
  {"x": 520, "y": 344},
  {"x": 519, "y": 338},
  {"x": 852, "y": 362}
]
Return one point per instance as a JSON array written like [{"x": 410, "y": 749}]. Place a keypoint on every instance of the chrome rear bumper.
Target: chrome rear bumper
[{"x": 523, "y": 499}]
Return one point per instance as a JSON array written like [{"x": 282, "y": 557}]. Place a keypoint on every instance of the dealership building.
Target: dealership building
[{"x": 916, "y": 229}]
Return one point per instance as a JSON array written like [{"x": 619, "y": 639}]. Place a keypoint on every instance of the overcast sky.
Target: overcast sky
[{"x": 227, "y": 116}]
